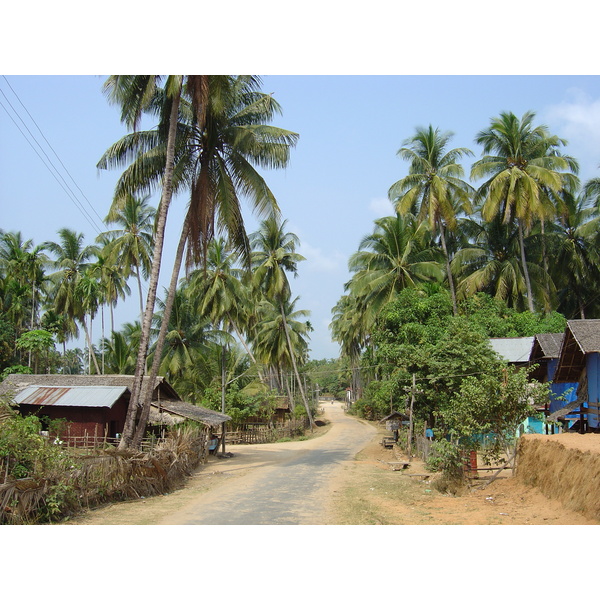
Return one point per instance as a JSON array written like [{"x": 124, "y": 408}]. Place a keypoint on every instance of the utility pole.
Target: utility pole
[{"x": 413, "y": 392}]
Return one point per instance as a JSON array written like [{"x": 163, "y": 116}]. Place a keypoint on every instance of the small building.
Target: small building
[
  {"x": 579, "y": 364},
  {"x": 95, "y": 406},
  {"x": 545, "y": 354},
  {"x": 515, "y": 351}
]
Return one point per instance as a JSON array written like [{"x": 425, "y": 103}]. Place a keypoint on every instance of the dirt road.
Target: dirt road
[
  {"x": 340, "y": 478},
  {"x": 276, "y": 484}
]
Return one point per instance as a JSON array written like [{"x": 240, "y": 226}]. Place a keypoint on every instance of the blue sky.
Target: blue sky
[{"x": 336, "y": 185}]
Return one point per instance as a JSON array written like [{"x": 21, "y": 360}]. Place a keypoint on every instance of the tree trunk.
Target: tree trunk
[
  {"x": 525, "y": 269},
  {"x": 293, "y": 358},
  {"x": 448, "y": 270},
  {"x": 246, "y": 347},
  {"x": 91, "y": 353},
  {"x": 146, "y": 397},
  {"x": 140, "y": 367}
]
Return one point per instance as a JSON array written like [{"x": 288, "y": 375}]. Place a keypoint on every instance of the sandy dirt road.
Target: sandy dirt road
[{"x": 284, "y": 484}]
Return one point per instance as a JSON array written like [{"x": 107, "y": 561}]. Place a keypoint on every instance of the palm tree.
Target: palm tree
[
  {"x": 23, "y": 264},
  {"x": 119, "y": 355},
  {"x": 434, "y": 186},
  {"x": 395, "y": 256},
  {"x": 275, "y": 328},
  {"x": 131, "y": 244},
  {"x": 188, "y": 335},
  {"x": 135, "y": 94},
  {"x": 274, "y": 254},
  {"x": 576, "y": 259},
  {"x": 350, "y": 327},
  {"x": 491, "y": 264},
  {"x": 525, "y": 166},
  {"x": 219, "y": 293},
  {"x": 224, "y": 137},
  {"x": 72, "y": 258}
]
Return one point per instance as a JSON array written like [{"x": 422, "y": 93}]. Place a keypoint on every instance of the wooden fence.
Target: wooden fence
[{"x": 260, "y": 433}]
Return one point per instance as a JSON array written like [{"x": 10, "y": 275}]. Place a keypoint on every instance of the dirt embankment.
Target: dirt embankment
[{"x": 564, "y": 467}]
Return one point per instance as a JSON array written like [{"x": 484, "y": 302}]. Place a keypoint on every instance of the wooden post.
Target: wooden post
[{"x": 410, "y": 419}]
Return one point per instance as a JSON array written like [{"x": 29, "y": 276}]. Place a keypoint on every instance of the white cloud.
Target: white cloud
[
  {"x": 381, "y": 207},
  {"x": 318, "y": 260},
  {"x": 577, "y": 119}
]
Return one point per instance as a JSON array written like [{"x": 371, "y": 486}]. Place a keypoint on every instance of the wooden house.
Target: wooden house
[
  {"x": 579, "y": 363},
  {"x": 545, "y": 354},
  {"x": 95, "y": 406}
]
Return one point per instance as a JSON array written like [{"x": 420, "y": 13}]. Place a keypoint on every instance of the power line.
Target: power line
[{"x": 47, "y": 161}]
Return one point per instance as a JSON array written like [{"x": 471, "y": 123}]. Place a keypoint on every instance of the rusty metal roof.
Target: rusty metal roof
[{"x": 85, "y": 396}]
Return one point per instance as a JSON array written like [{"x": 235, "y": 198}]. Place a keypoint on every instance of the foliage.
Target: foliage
[
  {"x": 494, "y": 403},
  {"x": 26, "y": 453}
]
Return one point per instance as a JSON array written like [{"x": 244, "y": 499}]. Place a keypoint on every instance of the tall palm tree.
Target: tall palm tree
[
  {"x": 135, "y": 94},
  {"x": 131, "y": 244},
  {"x": 434, "y": 187},
  {"x": 72, "y": 258},
  {"x": 24, "y": 265},
  {"x": 274, "y": 255},
  {"x": 224, "y": 136},
  {"x": 576, "y": 258},
  {"x": 398, "y": 254},
  {"x": 275, "y": 329},
  {"x": 521, "y": 164},
  {"x": 350, "y": 326},
  {"x": 219, "y": 293}
]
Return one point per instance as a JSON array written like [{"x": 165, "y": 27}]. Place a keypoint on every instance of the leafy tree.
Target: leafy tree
[{"x": 37, "y": 342}]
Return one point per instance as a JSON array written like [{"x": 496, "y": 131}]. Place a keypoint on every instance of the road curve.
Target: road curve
[{"x": 289, "y": 483}]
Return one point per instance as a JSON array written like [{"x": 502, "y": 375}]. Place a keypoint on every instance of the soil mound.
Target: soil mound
[{"x": 564, "y": 467}]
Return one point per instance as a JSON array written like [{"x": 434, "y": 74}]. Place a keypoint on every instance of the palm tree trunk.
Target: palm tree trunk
[
  {"x": 140, "y": 367},
  {"x": 448, "y": 270},
  {"x": 146, "y": 397},
  {"x": 246, "y": 347},
  {"x": 91, "y": 353},
  {"x": 525, "y": 269},
  {"x": 293, "y": 358},
  {"x": 139, "y": 281}
]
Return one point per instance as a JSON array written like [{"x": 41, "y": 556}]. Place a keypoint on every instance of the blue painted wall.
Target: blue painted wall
[{"x": 593, "y": 376}]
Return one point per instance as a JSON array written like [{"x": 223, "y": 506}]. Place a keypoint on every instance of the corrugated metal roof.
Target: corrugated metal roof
[
  {"x": 87, "y": 396},
  {"x": 513, "y": 350}
]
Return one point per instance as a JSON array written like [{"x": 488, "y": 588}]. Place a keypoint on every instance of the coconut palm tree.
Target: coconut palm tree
[
  {"x": 276, "y": 331},
  {"x": 71, "y": 260},
  {"x": 492, "y": 264},
  {"x": 575, "y": 267},
  {"x": 219, "y": 293},
  {"x": 521, "y": 164},
  {"x": 226, "y": 137},
  {"x": 434, "y": 188},
  {"x": 274, "y": 255},
  {"x": 398, "y": 254},
  {"x": 131, "y": 244}
]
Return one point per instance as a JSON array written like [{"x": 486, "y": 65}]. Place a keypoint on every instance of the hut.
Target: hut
[
  {"x": 94, "y": 407},
  {"x": 579, "y": 364},
  {"x": 545, "y": 353},
  {"x": 515, "y": 351}
]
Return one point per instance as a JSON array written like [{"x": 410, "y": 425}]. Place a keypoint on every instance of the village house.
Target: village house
[
  {"x": 95, "y": 406},
  {"x": 579, "y": 367}
]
